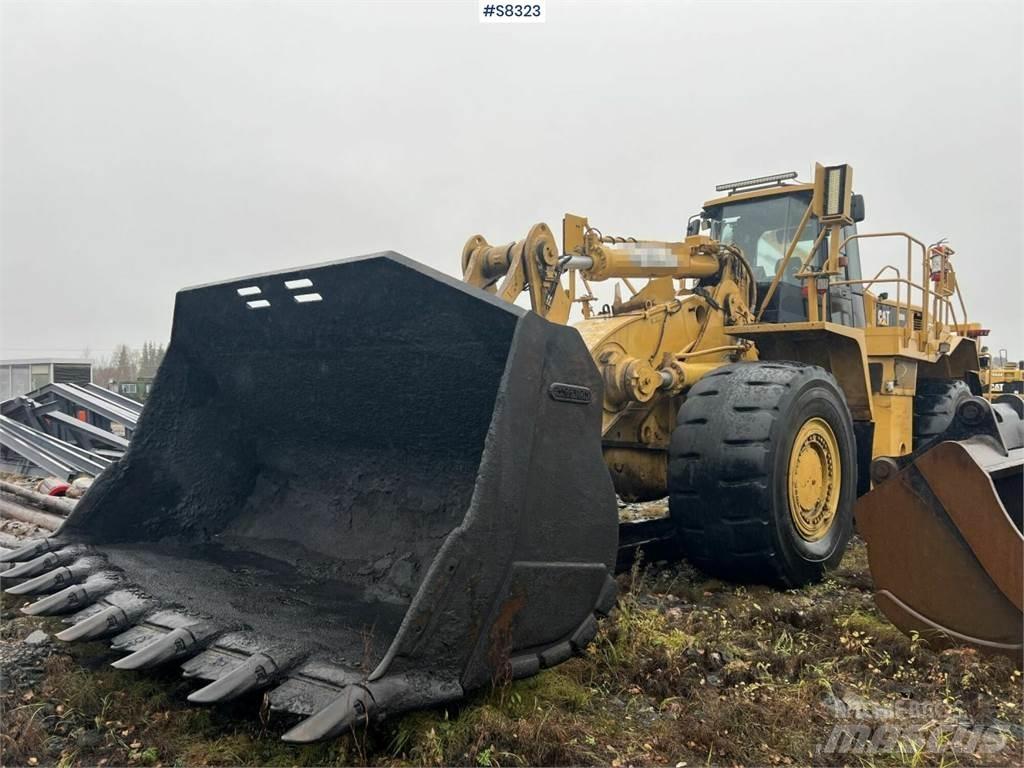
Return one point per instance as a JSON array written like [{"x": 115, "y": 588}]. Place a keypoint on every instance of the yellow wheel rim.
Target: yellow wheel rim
[{"x": 815, "y": 469}]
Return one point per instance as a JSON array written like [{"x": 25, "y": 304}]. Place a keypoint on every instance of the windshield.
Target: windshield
[{"x": 762, "y": 229}]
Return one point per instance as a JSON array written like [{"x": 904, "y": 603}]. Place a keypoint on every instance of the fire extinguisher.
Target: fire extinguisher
[{"x": 939, "y": 252}]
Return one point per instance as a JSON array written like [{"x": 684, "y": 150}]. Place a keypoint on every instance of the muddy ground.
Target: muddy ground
[{"x": 686, "y": 672}]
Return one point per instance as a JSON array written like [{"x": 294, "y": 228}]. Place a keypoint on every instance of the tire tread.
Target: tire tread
[
  {"x": 719, "y": 470},
  {"x": 935, "y": 404}
]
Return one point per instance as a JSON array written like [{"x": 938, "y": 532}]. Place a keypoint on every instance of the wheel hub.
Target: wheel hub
[{"x": 814, "y": 479}]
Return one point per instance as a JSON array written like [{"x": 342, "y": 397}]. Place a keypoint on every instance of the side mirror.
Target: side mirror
[
  {"x": 693, "y": 226},
  {"x": 857, "y": 208}
]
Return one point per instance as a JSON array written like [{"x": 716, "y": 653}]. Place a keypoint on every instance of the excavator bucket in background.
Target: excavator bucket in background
[
  {"x": 363, "y": 485},
  {"x": 943, "y": 531}
]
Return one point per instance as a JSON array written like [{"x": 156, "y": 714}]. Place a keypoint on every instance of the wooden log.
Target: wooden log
[
  {"x": 15, "y": 511},
  {"x": 49, "y": 503}
]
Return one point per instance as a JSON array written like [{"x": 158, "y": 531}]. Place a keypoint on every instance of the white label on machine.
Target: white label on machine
[{"x": 648, "y": 254}]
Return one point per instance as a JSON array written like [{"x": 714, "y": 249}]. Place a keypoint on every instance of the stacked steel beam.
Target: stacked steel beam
[{"x": 65, "y": 430}]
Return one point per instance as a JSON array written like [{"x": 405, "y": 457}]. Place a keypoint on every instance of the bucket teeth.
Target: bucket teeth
[
  {"x": 82, "y": 615},
  {"x": 301, "y": 696},
  {"x": 41, "y": 564},
  {"x": 30, "y": 550},
  {"x": 55, "y": 579},
  {"x": 175, "y": 644},
  {"x": 355, "y": 705},
  {"x": 72, "y": 598},
  {"x": 255, "y": 672},
  {"x": 136, "y": 636},
  {"x": 110, "y": 619},
  {"x": 208, "y": 665},
  {"x": 58, "y": 578}
]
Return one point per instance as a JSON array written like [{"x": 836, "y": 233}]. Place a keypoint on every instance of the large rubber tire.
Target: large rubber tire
[
  {"x": 728, "y": 472},
  {"x": 935, "y": 405}
]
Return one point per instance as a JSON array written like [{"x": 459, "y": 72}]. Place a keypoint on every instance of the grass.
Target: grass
[{"x": 686, "y": 672}]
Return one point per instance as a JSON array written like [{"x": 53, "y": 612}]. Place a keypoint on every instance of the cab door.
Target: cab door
[{"x": 846, "y": 302}]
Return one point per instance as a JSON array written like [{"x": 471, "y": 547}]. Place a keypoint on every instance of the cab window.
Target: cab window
[{"x": 763, "y": 230}]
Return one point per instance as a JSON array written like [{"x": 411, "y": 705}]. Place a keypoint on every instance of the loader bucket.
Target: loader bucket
[
  {"x": 364, "y": 486},
  {"x": 943, "y": 532}
]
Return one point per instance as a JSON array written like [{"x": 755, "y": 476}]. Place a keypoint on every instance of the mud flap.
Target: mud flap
[
  {"x": 943, "y": 531},
  {"x": 362, "y": 485}
]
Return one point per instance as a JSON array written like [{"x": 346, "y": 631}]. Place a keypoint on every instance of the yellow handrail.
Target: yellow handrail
[{"x": 925, "y": 288}]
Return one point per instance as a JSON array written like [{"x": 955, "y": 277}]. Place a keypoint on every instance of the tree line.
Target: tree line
[{"x": 127, "y": 364}]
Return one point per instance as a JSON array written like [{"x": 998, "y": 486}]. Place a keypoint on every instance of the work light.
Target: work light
[{"x": 832, "y": 191}]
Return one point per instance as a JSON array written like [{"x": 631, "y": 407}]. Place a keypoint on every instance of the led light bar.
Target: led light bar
[
  {"x": 834, "y": 190},
  {"x": 833, "y": 201},
  {"x": 756, "y": 182}
]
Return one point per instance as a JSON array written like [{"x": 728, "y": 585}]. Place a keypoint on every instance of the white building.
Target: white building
[{"x": 19, "y": 377}]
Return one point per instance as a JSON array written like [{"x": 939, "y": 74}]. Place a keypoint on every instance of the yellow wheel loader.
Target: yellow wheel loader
[
  {"x": 756, "y": 373},
  {"x": 367, "y": 487},
  {"x": 761, "y": 382},
  {"x": 1006, "y": 378}
]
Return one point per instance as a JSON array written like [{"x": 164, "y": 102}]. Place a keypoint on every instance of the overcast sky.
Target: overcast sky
[{"x": 148, "y": 146}]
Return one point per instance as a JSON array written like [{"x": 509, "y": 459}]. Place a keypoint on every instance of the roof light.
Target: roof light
[{"x": 756, "y": 182}]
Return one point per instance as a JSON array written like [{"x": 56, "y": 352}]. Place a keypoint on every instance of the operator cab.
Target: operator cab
[{"x": 762, "y": 223}]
